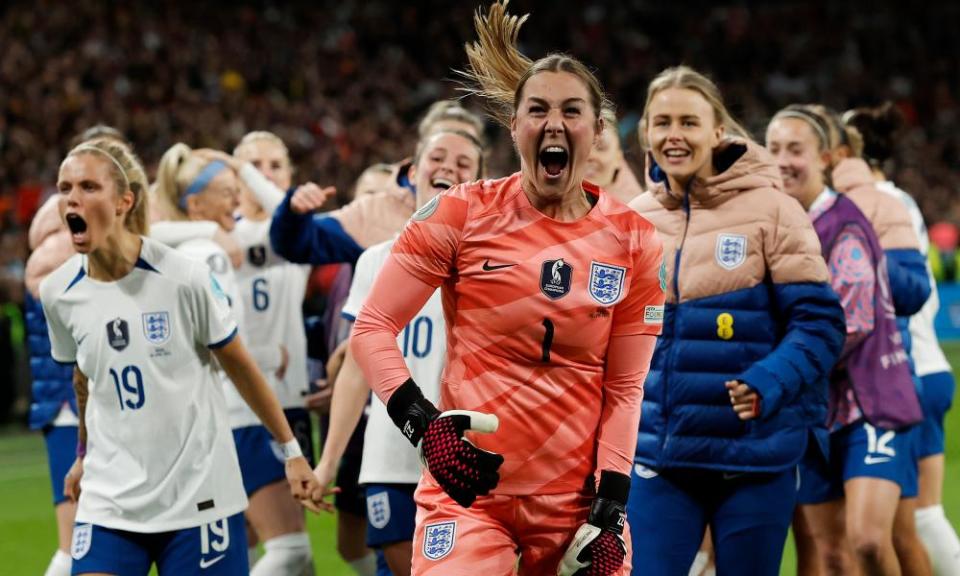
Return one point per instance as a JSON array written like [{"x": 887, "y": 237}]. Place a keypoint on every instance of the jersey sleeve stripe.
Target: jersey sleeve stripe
[
  {"x": 76, "y": 279},
  {"x": 225, "y": 341}
]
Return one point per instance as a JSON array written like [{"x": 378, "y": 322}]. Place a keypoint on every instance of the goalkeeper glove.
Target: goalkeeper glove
[
  {"x": 598, "y": 548},
  {"x": 460, "y": 468}
]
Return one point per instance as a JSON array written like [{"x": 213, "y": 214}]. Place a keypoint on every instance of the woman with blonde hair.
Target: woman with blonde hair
[
  {"x": 204, "y": 186},
  {"x": 156, "y": 475},
  {"x": 552, "y": 297},
  {"x": 737, "y": 387},
  {"x": 848, "y": 495}
]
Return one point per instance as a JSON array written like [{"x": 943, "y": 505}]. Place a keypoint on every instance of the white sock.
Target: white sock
[
  {"x": 59, "y": 564},
  {"x": 366, "y": 566},
  {"x": 285, "y": 555},
  {"x": 939, "y": 539},
  {"x": 699, "y": 563}
]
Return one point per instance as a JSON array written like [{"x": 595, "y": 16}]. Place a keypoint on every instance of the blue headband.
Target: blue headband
[{"x": 202, "y": 180}]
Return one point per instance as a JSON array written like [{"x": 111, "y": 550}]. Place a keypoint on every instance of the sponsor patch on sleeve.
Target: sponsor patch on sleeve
[{"x": 653, "y": 314}]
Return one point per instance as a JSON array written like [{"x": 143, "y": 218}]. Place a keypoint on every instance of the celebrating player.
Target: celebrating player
[
  {"x": 878, "y": 127},
  {"x": 203, "y": 186},
  {"x": 750, "y": 321},
  {"x": 390, "y": 468},
  {"x": 53, "y": 408},
  {"x": 852, "y": 494},
  {"x": 156, "y": 474},
  {"x": 552, "y": 298}
]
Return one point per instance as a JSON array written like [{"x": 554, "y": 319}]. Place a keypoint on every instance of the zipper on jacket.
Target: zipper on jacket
[{"x": 665, "y": 439}]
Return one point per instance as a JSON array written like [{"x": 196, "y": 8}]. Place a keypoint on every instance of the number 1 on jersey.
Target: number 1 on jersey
[{"x": 547, "y": 339}]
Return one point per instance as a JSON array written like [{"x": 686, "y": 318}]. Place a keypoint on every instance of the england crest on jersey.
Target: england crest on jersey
[
  {"x": 82, "y": 535},
  {"x": 378, "y": 509},
  {"x": 731, "y": 250},
  {"x": 606, "y": 282},
  {"x": 438, "y": 540},
  {"x": 156, "y": 327}
]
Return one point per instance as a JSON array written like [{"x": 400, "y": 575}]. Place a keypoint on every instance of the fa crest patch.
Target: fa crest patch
[
  {"x": 156, "y": 327},
  {"x": 82, "y": 536},
  {"x": 257, "y": 255},
  {"x": 378, "y": 510},
  {"x": 426, "y": 210},
  {"x": 438, "y": 540},
  {"x": 118, "y": 334},
  {"x": 555, "y": 278},
  {"x": 731, "y": 250},
  {"x": 606, "y": 282}
]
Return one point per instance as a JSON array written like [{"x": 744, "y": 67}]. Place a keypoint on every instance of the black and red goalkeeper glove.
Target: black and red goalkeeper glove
[
  {"x": 460, "y": 468},
  {"x": 598, "y": 548}
]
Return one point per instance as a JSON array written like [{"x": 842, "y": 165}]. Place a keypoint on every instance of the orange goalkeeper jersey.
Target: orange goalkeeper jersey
[{"x": 533, "y": 308}]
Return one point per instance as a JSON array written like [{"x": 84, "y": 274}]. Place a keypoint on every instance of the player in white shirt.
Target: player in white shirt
[
  {"x": 203, "y": 186},
  {"x": 156, "y": 477},
  {"x": 390, "y": 467},
  {"x": 878, "y": 127}
]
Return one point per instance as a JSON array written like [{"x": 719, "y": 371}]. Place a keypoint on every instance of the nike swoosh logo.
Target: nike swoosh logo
[
  {"x": 82, "y": 338},
  {"x": 204, "y": 564},
  {"x": 488, "y": 268},
  {"x": 879, "y": 460}
]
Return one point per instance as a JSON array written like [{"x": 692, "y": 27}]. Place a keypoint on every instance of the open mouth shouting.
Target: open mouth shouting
[
  {"x": 78, "y": 229},
  {"x": 554, "y": 159}
]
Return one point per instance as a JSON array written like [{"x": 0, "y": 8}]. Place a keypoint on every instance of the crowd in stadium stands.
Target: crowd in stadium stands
[{"x": 343, "y": 82}]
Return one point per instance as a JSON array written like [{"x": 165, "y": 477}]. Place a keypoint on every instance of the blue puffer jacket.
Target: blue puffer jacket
[
  {"x": 52, "y": 382},
  {"x": 748, "y": 299}
]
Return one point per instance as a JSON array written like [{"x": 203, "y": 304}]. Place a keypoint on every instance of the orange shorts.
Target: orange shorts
[{"x": 488, "y": 537}]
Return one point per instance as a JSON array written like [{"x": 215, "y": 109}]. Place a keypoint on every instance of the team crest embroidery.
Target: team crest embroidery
[
  {"x": 555, "y": 278},
  {"x": 257, "y": 255},
  {"x": 156, "y": 327},
  {"x": 82, "y": 535},
  {"x": 438, "y": 540},
  {"x": 606, "y": 282},
  {"x": 378, "y": 510},
  {"x": 118, "y": 334},
  {"x": 731, "y": 250},
  {"x": 426, "y": 210}
]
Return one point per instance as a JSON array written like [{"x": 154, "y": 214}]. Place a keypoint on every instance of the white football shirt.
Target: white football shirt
[
  {"x": 160, "y": 453},
  {"x": 272, "y": 291},
  {"x": 388, "y": 457},
  {"x": 928, "y": 357},
  {"x": 216, "y": 258}
]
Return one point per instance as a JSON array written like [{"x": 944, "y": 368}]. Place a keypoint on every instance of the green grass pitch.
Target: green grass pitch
[{"x": 28, "y": 527}]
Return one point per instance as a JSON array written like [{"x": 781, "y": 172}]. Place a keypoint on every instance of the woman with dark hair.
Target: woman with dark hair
[{"x": 879, "y": 128}]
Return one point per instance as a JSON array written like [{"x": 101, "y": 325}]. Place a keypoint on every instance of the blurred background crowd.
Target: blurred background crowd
[{"x": 343, "y": 83}]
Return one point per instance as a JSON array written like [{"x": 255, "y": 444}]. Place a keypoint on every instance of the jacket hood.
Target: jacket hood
[
  {"x": 852, "y": 173},
  {"x": 741, "y": 165}
]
